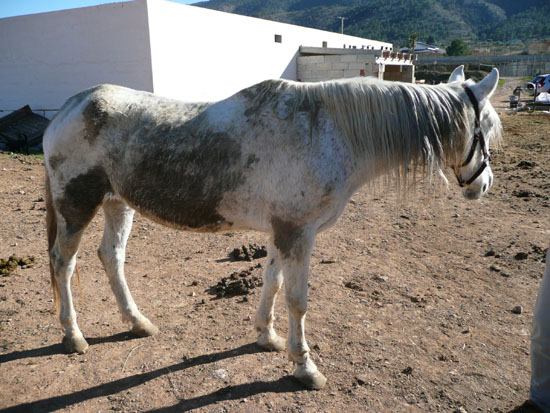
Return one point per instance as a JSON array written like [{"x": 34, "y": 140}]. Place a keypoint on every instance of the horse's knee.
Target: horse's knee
[
  {"x": 109, "y": 256},
  {"x": 62, "y": 267},
  {"x": 297, "y": 303},
  {"x": 103, "y": 256}
]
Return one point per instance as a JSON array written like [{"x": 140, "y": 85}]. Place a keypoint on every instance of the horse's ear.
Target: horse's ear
[
  {"x": 457, "y": 75},
  {"x": 485, "y": 89}
]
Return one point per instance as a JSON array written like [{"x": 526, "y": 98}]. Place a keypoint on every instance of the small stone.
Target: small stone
[
  {"x": 526, "y": 165},
  {"x": 353, "y": 285},
  {"x": 521, "y": 256},
  {"x": 361, "y": 379},
  {"x": 407, "y": 371},
  {"x": 219, "y": 374},
  {"x": 494, "y": 268},
  {"x": 518, "y": 309}
]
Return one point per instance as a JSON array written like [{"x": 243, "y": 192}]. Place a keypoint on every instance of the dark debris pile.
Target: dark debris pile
[
  {"x": 238, "y": 283},
  {"x": 252, "y": 252},
  {"x": 9, "y": 265}
]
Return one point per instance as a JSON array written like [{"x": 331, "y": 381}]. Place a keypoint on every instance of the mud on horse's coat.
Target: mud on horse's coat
[{"x": 280, "y": 157}]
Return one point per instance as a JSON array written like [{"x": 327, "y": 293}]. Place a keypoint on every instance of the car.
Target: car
[{"x": 539, "y": 84}]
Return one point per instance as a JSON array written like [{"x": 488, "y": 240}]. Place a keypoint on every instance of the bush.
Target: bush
[{"x": 458, "y": 47}]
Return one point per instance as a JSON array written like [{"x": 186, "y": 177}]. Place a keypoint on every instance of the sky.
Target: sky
[{"x": 9, "y": 8}]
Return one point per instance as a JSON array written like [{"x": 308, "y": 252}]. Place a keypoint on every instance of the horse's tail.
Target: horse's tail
[{"x": 51, "y": 226}]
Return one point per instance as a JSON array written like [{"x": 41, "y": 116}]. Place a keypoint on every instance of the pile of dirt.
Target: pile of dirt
[
  {"x": 9, "y": 265},
  {"x": 253, "y": 252},
  {"x": 239, "y": 283}
]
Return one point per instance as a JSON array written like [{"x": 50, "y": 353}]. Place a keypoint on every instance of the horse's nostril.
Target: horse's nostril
[{"x": 484, "y": 187}]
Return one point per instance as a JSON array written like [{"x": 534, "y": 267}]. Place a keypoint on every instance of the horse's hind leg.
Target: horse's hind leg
[
  {"x": 118, "y": 223},
  {"x": 70, "y": 208},
  {"x": 63, "y": 261},
  {"x": 265, "y": 316}
]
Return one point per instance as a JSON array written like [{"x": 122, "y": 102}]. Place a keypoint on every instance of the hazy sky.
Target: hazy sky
[{"x": 10, "y": 8}]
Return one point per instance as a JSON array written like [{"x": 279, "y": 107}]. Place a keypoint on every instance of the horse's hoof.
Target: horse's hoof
[
  {"x": 273, "y": 343},
  {"x": 310, "y": 377},
  {"x": 144, "y": 328},
  {"x": 75, "y": 344}
]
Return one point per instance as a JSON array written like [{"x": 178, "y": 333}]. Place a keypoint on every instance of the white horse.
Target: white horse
[{"x": 280, "y": 157}]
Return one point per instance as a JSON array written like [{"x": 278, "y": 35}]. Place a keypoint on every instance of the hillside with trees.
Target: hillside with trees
[{"x": 474, "y": 21}]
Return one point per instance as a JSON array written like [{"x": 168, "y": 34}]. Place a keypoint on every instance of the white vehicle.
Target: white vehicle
[{"x": 540, "y": 84}]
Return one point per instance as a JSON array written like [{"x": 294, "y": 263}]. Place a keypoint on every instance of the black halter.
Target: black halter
[{"x": 478, "y": 137}]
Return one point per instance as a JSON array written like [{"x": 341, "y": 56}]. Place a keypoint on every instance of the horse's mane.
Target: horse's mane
[{"x": 410, "y": 128}]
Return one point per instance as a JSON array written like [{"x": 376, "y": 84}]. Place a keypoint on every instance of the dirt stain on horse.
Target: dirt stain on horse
[
  {"x": 56, "y": 160},
  {"x": 82, "y": 196},
  {"x": 287, "y": 235},
  {"x": 95, "y": 117},
  {"x": 186, "y": 179}
]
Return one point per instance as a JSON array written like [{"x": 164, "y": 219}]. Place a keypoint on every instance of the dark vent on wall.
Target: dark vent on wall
[{"x": 278, "y": 38}]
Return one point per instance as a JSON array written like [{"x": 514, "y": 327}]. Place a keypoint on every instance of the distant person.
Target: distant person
[{"x": 540, "y": 344}]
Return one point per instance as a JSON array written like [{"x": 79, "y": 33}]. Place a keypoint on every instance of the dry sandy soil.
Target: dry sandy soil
[{"x": 410, "y": 304}]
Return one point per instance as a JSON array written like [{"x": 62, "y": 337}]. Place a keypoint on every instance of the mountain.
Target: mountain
[{"x": 475, "y": 21}]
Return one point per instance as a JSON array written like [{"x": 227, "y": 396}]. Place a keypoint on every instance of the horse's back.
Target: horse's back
[{"x": 204, "y": 167}]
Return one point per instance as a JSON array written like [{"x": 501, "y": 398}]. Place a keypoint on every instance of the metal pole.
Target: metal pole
[{"x": 342, "y": 19}]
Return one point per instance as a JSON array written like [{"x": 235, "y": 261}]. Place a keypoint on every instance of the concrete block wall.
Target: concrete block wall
[
  {"x": 334, "y": 66},
  {"x": 328, "y": 67}
]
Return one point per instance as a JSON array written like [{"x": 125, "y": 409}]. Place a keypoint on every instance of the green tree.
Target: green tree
[
  {"x": 458, "y": 47},
  {"x": 411, "y": 44}
]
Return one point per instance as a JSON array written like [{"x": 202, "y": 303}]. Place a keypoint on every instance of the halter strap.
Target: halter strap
[
  {"x": 475, "y": 104},
  {"x": 478, "y": 137},
  {"x": 478, "y": 133}
]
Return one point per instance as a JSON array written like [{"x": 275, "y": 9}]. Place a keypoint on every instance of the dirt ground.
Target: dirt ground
[{"x": 413, "y": 305}]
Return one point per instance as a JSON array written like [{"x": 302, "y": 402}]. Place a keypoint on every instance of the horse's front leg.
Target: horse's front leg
[
  {"x": 265, "y": 316},
  {"x": 112, "y": 252},
  {"x": 295, "y": 252}
]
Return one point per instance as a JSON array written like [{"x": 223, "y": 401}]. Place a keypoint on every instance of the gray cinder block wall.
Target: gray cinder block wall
[{"x": 382, "y": 65}]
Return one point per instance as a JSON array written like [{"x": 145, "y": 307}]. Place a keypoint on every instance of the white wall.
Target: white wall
[
  {"x": 46, "y": 58},
  {"x": 185, "y": 52},
  {"x": 206, "y": 55}
]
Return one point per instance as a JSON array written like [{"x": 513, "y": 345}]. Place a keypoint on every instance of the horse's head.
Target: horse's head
[{"x": 473, "y": 172}]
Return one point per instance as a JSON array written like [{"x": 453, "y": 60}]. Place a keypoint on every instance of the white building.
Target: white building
[
  {"x": 183, "y": 52},
  {"x": 421, "y": 47}
]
